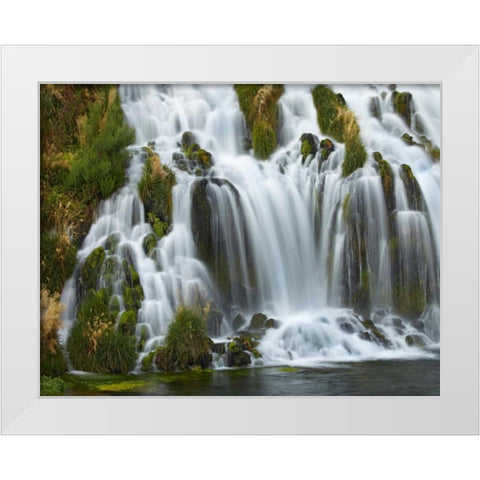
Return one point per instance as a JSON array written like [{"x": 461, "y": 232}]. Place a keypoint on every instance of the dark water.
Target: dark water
[{"x": 386, "y": 377}]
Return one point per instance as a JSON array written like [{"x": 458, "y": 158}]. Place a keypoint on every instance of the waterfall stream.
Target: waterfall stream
[{"x": 288, "y": 228}]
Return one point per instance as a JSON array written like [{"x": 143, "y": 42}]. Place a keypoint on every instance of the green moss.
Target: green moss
[
  {"x": 52, "y": 364},
  {"x": 326, "y": 148},
  {"x": 409, "y": 299},
  {"x": 91, "y": 269},
  {"x": 336, "y": 120},
  {"x": 345, "y": 209},
  {"x": 128, "y": 322},
  {"x": 51, "y": 386},
  {"x": 112, "y": 242},
  {"x": 147, "y": 361},
  {"x": 186, "y": 343},
  {"x": 412, "y": 188},
  {"x": 402, "y": 104},
  {"x": 408, "y": 139},
  {"x": 414, "y": 341},
  {"x": 155, "y": 189},
  {"x": 259, "y": 106},
  {"x": 143, "y": 338},
  {"x": 258, "y": 321},
  {"x": 204, "y": 157},
  {"x": 149, "y": 243},
  {"x": 388, "y": 183}
]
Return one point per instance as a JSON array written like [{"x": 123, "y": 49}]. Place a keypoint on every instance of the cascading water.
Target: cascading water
[{"x": 297, "y": 241}]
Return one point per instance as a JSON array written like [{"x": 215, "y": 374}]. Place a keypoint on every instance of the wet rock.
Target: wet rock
[
  {"x": 219, "y": 348},
  {"x": 346, "y": 327},
  {"x": 418, "y": 325},
  {"x": 310, "y": 145},
  {"x": 375, "y": 109},
  {"x": 112, "y": 242},
  {"x": 326, "y": 148},
  {"x": 149, "y": 243},
  {"x": 272, "y": 323},
  {"x": 257, "y": 321},
  {"x": 238, "y": 322},
  {"x": 365, "y": 336},
  {"x": 414, "y": 341},
  {"x": 247, "y": 144},
  {"x": 187, "y": 140},
  {"x": 402, "y": 104}
]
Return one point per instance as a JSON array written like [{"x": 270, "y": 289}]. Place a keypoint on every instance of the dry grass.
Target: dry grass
[{"x": 50, "y": 320}]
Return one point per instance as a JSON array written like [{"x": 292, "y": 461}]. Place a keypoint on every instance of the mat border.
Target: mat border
[{"x": 455, "y": 411}]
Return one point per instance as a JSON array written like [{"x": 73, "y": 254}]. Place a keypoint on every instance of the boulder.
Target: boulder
[{"x": 257, "y": 321}]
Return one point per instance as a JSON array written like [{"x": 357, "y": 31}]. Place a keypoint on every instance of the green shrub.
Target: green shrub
[
  {"x": 186, "y": 344},
  {"x": 100, "y": 168},
  {"x": 116, "y": 353},
  {"x": 51, "y": 386}
]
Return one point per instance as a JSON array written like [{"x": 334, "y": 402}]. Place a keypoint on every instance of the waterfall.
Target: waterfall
[{"x": 321, "y": 254}]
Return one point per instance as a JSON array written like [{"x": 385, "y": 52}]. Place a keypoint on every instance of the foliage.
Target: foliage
[
  {"x": 186, "y": 343},
  {"x": 57, "y": 260},
  {"x": 52, "y": 360},
  {"x": 155, "y": 190},
  {"x": 258, "y": 103},
  {"x": 51, "y": 386},
  {"x": 116, "y": 353},
  {"x": 336, "y": 120}
]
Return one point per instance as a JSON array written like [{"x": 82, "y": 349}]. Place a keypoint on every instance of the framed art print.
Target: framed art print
[{"x": 272, "y": 232}]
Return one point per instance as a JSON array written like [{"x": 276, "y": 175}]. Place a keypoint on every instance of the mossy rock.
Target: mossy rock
[
  {"x": 144, "y": 335},
  {"x": 377, "y": 333},
  {"x": 272, "y": 323},
  {"x": 187, "y": 140},
  {"x": 258, "y": 103},
  {"x": 264, "y": 139},
  {"x": 418, "y": 124},
  {"x": 388, "y": 181},
  {"x": 375, "y": 109},
  {"x": 149, "y": 243},
  {"x": 111, "y": 243},
  {"x": 336, "y": 120},
  {"x": 414, "y": 341},
  {"x": 237, "y": 356},
  {"x": 310, "y": 144},
  {"x": 219, "y": 348},
  {"x": 408, "y": 139},
  {"x": 91, "y": 268},
  {"x": 403, "y": 105},
  {"x": 247, "y": 144},
  {"x": 346, "y": 327},
  {"x": 258, "y": 321},
  {"x": 155, "y": 189},
  {"x": 412, "y": 188},
  {"x": 128, "y": 322},
  {"x": 147, "y": 361},
  {"x": 326, "y": 148},
  {"x": 204, "y": 158},
  {"x": 238, "y": 322},
  {"x": 409, "y": 299}
]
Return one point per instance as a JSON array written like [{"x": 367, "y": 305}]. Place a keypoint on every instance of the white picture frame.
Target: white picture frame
[{"x": 23, "y": 411}]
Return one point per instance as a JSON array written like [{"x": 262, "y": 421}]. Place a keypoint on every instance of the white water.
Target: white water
[{"x": 287, "y": 230}]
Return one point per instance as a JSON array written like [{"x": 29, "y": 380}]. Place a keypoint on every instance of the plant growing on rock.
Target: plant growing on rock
[
  {"x": 155, "y": 190},
  {"x": 336, "y": 120},
  {"x": 259, "y": 106},
  {"x": 186, "y": 344}
]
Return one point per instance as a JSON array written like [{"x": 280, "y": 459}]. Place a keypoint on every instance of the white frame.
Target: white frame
[{"x": 454, "y": 411}]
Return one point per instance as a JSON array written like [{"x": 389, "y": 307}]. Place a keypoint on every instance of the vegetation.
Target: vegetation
[
  {"x": 402, "y": 104},
  {"x": 51, "y": 386},
  {"x": 259, "y": 106},
  {"x": 83, "y": 155},
  {"x": 155, "y": 190},
  {"x": 388, "y": 183},
  {"x": 52, "y": 360},
  {"x": 336, "y": 120},
  {"x": 187, "y": 344},
  {"x": 94, "y": 344}
]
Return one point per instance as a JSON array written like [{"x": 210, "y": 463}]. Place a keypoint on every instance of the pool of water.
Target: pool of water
[{"x": 385, "y": 377}]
